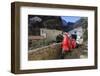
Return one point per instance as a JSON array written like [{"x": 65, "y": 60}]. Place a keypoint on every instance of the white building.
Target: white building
[
  {"x": 79, "y": 32},
  {"x": 49, "y": 34}
]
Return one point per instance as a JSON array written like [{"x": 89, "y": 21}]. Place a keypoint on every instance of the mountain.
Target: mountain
[
  {"x": 67, "y": 26},
  {"x": 70, "y": 25}
]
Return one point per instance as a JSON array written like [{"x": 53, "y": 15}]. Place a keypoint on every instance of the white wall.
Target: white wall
[
  {"x": 5, "y": 33},
  {"x": 51, "y": 34},
  {"x": 79, "y": 31}
]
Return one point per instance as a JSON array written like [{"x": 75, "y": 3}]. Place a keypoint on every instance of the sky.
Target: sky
[{"x": 70, "y": 18}]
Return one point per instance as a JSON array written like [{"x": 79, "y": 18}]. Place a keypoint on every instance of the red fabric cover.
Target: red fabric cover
[
  {"x": 73, "y": 43},
  {"x": 66, "y": 43}
]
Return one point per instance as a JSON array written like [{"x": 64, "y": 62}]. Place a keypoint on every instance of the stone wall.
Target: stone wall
[{"x": 52, "y": 51}]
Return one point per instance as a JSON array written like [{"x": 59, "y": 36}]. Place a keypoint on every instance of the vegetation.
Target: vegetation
[
  {"x": 85, "y": 29},
  {"x": 40, "y": 43}
]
